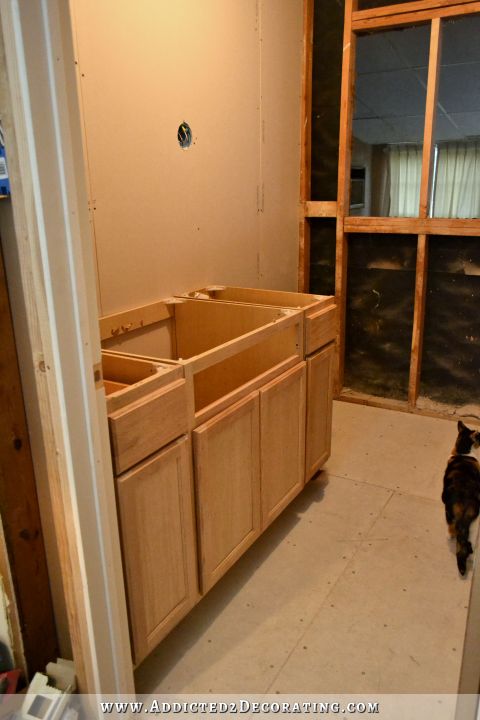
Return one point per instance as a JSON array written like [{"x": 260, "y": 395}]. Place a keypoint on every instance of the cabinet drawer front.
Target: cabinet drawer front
[
  {"x": 319, "y": 409},
  {"x": 320, "y": 329},
  {"x": 226, "y": 453},
  {"x": 141, "y": 428},
  {"x": 159, "y": 545},
  {"x": 282, "y": 441}
]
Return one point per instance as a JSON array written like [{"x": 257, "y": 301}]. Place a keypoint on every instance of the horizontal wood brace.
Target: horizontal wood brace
[
  {"x": 320, "y": 209},
  {"x": 405, "y": 14},
  {"x": 413, "y": 226}
]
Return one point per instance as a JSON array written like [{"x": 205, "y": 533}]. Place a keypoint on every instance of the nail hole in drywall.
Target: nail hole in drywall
[{"x": 184, "y": 135}]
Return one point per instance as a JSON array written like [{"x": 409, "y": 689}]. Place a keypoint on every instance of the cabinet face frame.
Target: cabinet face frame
[{"x": 357, "y": 21}]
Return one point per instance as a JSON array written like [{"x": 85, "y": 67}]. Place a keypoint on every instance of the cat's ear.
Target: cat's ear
[{"x": 461, "y": 426}]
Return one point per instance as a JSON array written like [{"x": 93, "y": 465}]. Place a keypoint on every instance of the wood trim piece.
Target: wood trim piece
[
  {"x": 418, "y": 320},
  {"x": 343, "y": 195},
  {"x": 320, "y": 209},
  {"x": 305, "y": 147},
  {"x": 407, "y": 7},
  {"x": 430, "y": 116},
  {"x": 413, "y": 226},
  {"x": 420, "y": 16}
]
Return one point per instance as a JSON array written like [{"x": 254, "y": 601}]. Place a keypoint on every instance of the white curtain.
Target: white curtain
[
  {"x": 457, "y": 185},
  {"x": 405, "y": 167}
]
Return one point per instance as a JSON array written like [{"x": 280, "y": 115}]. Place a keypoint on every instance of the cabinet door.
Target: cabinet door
[
  {"x": 159, "y": 545},
  {"x": 319, "y": 409},
  {"x": 226, "y": 452},
  {"x": 282, "y": 441}
]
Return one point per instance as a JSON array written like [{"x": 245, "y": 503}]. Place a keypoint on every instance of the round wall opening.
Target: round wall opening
[{"x": 184, "y": 135}]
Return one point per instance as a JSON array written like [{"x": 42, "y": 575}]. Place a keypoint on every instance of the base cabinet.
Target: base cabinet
[
  {"x": 227, "y": 475},
  {"x": 249, "y": 464},
  {"x": 159, "y": 545},
  {"x": 319, "y": 409},
  {"x": 282, "y": 441}
]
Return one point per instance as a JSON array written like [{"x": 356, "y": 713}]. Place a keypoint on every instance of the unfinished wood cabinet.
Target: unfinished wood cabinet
[
  {"x": 219, "y": 371},
  {"x": 223, "y": 347},
  {"x": 319, "y": 310},
  {"x": 227, "y": 476},
  {"x": 282, "y": 441},
  {"x": 147, "y": 415},
  {"x": 319, "y": 409},
  {"x": 156, "y": 507},
  {"x": 320, "y": 319}
]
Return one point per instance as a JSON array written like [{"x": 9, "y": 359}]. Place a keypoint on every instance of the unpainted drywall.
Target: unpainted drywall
[{"x": 225, "y": 210}]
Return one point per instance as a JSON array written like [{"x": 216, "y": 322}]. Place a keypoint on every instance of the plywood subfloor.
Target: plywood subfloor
[{"x": 353, "y": 589}]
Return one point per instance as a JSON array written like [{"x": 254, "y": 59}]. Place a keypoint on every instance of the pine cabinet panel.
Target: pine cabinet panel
[
  {"x": 227, "y": 474},
  {"x": 159, "y": 546}
]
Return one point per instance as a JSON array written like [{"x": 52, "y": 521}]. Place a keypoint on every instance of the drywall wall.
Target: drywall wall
[{"x": 225, "y": 210}]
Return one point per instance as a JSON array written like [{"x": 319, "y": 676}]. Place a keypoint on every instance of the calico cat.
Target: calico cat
[{"x": 461, "y": 491}]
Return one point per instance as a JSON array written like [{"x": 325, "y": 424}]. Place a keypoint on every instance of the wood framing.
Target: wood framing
[
  {"x": 343, "y": 196},
  {"x": 412, "y": 226},
  {"x": 305, "y": 147},
  {"x": 430, "y": 117},
  {"x": 19, "y": 509},
  {"x": 411, "y": 18},
  {"x": 408, "y": 7},
  {"x": 317, "y": 209},
  {"x": 423, "y": 226},
  {"x": 418, "y": 320}
]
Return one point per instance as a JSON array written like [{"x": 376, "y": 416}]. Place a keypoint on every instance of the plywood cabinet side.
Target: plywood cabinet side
[
  {"x": 159, "y": 546},
  {"x": 282, "y": 441},
  {"x": 227, "y": 478},
  {"x": 319, "y": 409}
]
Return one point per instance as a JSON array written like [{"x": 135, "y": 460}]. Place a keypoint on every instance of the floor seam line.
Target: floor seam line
[{"x": 397, "y": 491}]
